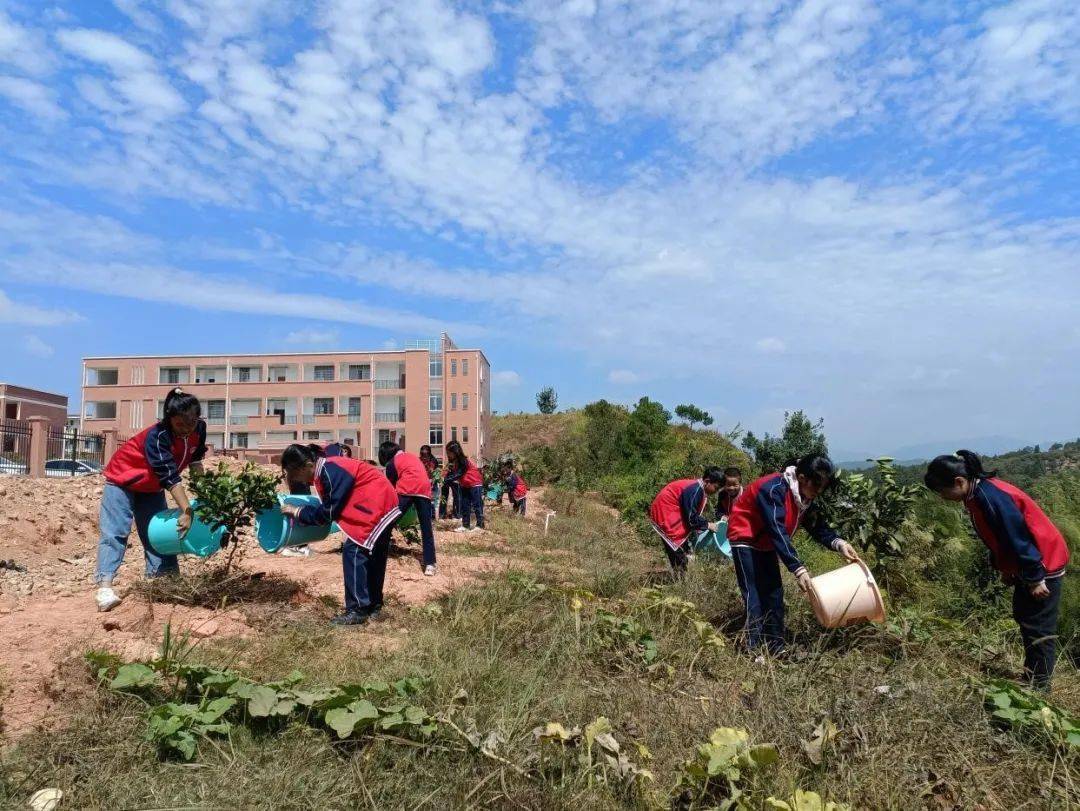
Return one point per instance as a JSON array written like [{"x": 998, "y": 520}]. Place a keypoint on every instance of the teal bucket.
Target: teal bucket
[
  {"x": 200, "y": 539},
  {"x": 713, "y": 543},
  {"x": 494, "y": 492},
  {"x": 275, "y": 530}
]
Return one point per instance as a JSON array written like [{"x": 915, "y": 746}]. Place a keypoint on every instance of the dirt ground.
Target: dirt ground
[{"x": 48, "y": 543}]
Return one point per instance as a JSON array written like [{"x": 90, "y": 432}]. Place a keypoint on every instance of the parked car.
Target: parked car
[
  {"x": 13, "y": 466},
  {"x": 67, "y": 468}
]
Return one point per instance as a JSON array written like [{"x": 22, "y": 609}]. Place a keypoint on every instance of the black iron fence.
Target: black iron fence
[
  {"x": 14, "y": 447},
  {"x": 70, "y": 452}
]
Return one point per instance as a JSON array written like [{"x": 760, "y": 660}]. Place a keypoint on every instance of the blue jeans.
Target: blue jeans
[
  {"x": 762, "y": 590},
  {"x": 365, "y": 573},
  {"x": 424, "y": 516},
  {"x": 119, "y": 507},
  {"x": 472, "y": 501}
]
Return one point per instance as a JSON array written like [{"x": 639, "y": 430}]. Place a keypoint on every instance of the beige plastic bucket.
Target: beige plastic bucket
[{"x": 845, "y": 596}]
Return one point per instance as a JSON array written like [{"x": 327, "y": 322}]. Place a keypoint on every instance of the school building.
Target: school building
[
  {"x": 22, "y": 403},
  {"x": 428, "y": 393}
]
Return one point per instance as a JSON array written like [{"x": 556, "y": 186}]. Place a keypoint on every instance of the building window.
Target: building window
[
  {"x": 435, "y": 401},
  {"x": 359, "y": 371},
  {"x": 215, "y": 412},
  {"x": 101, "y": 410},
  {"x": 239, "y": 440},
  {"x": 170, "y": 376},
  {"x": 277, "y": 374},
  {"x": 318, "y": 436},
  {"x": 453, "y": 368},
  {"x": 323, "y": 405},
  {"x": 453, "y": 434},
  {"x": 102, "y": 377},
  {"x": 465, "y": 434},
  {"x": 464, "y": 367},
  {"x": 453, "y": 402},
  {"x": 435, "y": 435},
  {"x": 435, "y": 366},
  {"x": 324, "y": 373},
  {"x": 243, "y": 375},
  {"x": 464, "y": 402}
]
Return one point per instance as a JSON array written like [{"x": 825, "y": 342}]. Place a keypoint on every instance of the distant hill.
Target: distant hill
[
  {"x": 516, "y": 432},
  {"x": 925, "y": 451}
]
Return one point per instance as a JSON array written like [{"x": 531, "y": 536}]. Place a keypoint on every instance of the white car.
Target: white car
[
  {"x": 12, "y": 466},
  {"x": 67, "y": 468}
]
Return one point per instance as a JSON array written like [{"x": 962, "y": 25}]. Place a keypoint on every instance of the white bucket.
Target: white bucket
[{"x": 845, "y": 596}]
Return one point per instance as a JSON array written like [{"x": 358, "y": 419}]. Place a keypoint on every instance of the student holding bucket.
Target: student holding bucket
[
  {"x": 678, "y": 515},
  {"x": 1025, "y": 547},
  {"x": 410, "y": 479},
  {"x": 300, "y": 489},
  {"x": 365, "y": 506},
  {"x": 470, "y": 483},
  {"x": 431, "y": 465},
  {"x": 760, "y": 526},
  {"x": 514, "y": 486},
  {"x": 136, "y": 479}
]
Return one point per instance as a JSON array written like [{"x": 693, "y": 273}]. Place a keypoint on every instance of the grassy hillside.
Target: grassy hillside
[{"x": 517, "y": 432}]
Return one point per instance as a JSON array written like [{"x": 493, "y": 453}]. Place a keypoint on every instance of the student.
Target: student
[
  {"x": 729, "y": 491},
  {"x": 364, "y": 504},
  {"x": 515, "y": 488},
  {"x": 431, "y": 464},
  {"x": 1025, "y": 547},
  {"x": 410, "y": 478},
  {"x": 762, "y": 520},
  {"x": 301, "y": 489},
  {"x": 678, "y": 515},
  {"x": 470, "y": 483},
  {"x": 136, "y": 479}
]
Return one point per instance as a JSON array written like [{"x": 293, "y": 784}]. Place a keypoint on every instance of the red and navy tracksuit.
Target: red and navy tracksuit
[
  {"x": 364, "y": 504},
  {"x": 762, "y": 520},
  {"x": 300, "y": 489},
  {"x": 724, "y": 503},
  {"x": 410, "y": 479},
  {"x": 1027, "y": 549},
  {"x": 470, "y": 484},
  {"x": 677, "y": 513},
  {"x": 517, "y": 491},
  {"x": 135, "y": 480}
]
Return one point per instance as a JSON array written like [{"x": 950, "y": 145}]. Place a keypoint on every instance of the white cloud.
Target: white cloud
[
  {"x": 507, "y": 377},
  {"x": 37, "y": 347},
  {"x": 32, "y": 96},
  {"x": 770, "y": 346},
  {"x": 313, "y": 337},
  {"x": 623, "y": 377},
  {"x": 23, "y": 48},
  {"x": 16, "y": 312}
]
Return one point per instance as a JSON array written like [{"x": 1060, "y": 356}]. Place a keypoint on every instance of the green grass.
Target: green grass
[{"x": 911, "y": 722}]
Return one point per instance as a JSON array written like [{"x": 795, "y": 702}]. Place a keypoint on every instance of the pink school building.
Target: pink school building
[{"x": 426, "y": 394}]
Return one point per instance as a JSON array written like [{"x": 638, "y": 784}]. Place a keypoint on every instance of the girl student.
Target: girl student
[
  {"x": 678, "y": 513},
  {"x": 136, "y": 479},
  {"x": 365, "y": 505},
  {"x": 1025, "y": 547},
  {"x": 431, "y": 465},
  {"x": 461, "y": 470},
  {"x": 760, "y": 525},
  {"x": 301, "y": 489},
  {"x": 730, "y": 491},
  {"x": 410, "y": 479},
  {"x": 516, "y": 488}
]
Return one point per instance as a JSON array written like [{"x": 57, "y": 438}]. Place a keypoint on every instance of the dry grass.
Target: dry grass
[
  {"x": 216, "y": 587},
  {"x": 911, "y": 728}
]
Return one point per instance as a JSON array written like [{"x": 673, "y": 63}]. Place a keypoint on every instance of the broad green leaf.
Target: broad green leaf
[
  {"x": 184, "y": 743},
  {"x": 134, "y": 675},
  {"x": 391, "y": 721},
  {"x": 764, "y": 754},
  {"x": 262, "y": 701}
]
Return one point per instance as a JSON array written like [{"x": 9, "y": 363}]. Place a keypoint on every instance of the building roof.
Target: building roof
[{"x": 5, "y": 383}]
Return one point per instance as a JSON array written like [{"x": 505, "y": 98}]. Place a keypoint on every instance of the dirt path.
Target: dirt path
[{"x": 48, "y": 618}]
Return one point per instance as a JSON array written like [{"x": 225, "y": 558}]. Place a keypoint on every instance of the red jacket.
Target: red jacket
[
  {"x": 1024, "y": 544},
  {"x": 153, "y": 459},
  {"x": 677, "y": 511},
  {"x": 516, "y": 487},
  {"x": 356, "y": 495},
  {"x": 408, "y": 475},
  {"x": 765, "y": 516},
  {"x": 465, "y": 474}
]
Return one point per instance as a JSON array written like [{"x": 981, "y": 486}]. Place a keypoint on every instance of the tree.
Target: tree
[
  {"x": 692, "y": 414},
  {"x": 647, "y": 432},
  {"x": 547, "y": 400},
  {"x": 232, "y": 500},
  {"x": 799, "y": 437}
]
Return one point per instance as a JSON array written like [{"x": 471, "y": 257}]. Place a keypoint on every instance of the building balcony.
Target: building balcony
[
  {"x": 391, "y": 417},
  {"x": 322, "y": 419},
  {"x": 238, "y": 419},
  {"x": 392, "y": 385},
  {"x": 215, "y": 420},
  {"x": 354, "y": 418}
]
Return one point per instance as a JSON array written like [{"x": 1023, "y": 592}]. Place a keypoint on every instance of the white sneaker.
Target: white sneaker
[
  {"x": 460, "y": 529},
  {"x": 429, "y": 570},
  {"x": 477, "y": 529},
  {"x": 106, "y": 599},
  {"x": 759, "y": 660},
  {"x": 296, "y": 552}
]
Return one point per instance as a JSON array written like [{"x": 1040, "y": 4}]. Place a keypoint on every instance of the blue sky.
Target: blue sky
[{"x": 865, "y": 210}]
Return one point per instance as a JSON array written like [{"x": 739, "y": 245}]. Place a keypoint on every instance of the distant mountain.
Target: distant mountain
[{"x": 914, "y": 454}]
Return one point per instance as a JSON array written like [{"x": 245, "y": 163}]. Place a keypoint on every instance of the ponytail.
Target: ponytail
[
  {"x": 297, "y": 456},
  {"x": 946, "y": 469},
  {"x": 179, "y": 403}
]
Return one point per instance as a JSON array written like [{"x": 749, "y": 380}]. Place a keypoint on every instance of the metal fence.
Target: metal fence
[
  {"x": 73, "y": 453},
  {"x": 14, "y": 447}
]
